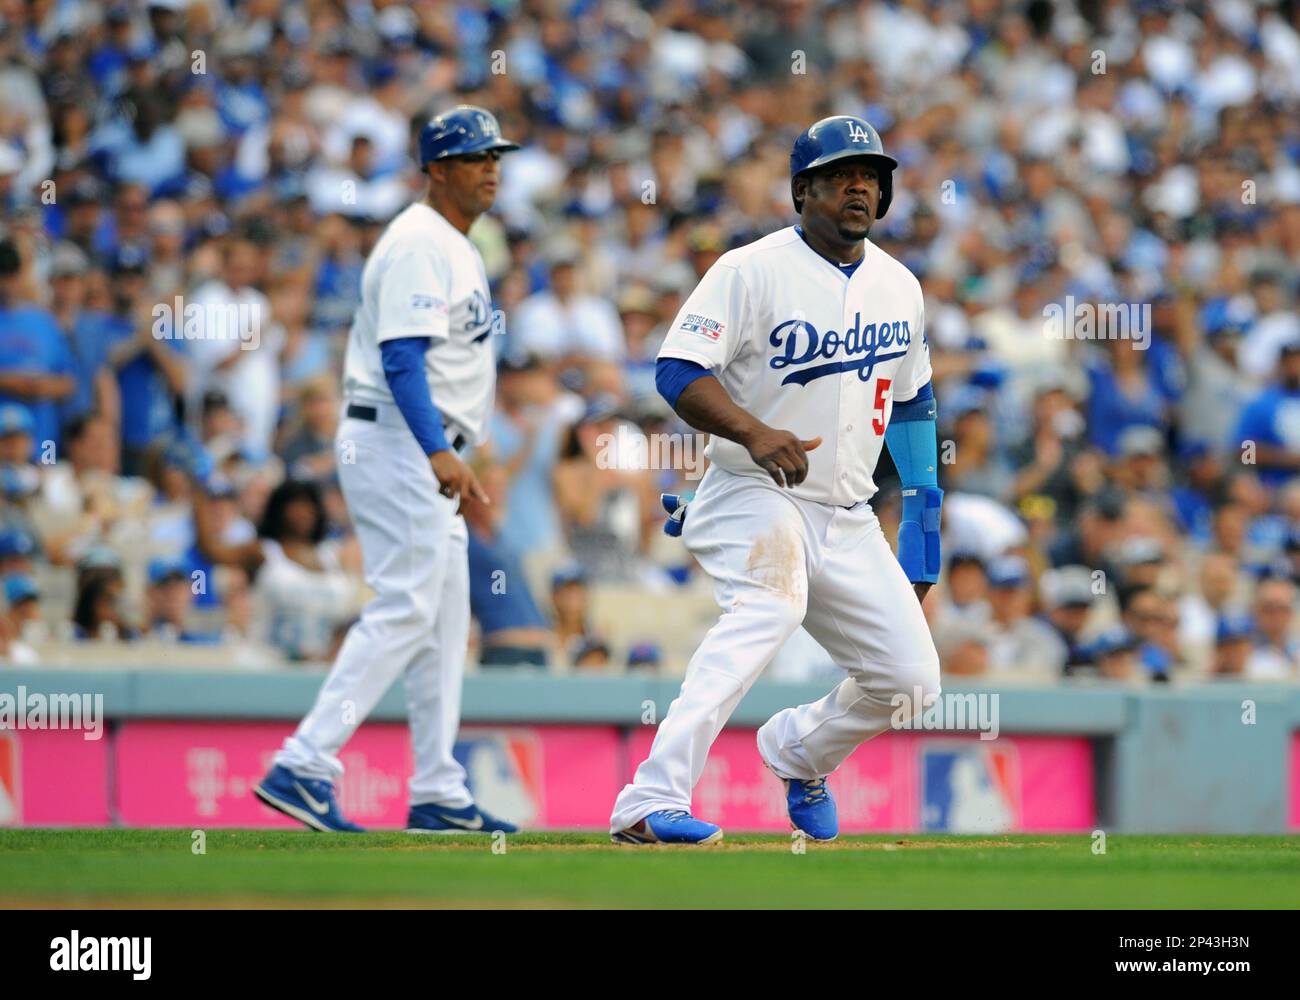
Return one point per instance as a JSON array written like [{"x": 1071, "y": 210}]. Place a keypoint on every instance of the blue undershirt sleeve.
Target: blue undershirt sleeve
[
  {"x": 403, "y": 360},
  {"x": 672, "y": 375},
  {"x": 912, "y": 441}
]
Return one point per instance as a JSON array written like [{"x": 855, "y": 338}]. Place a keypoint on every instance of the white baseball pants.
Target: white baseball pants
[
  {"x": 413, "y": 545},
  {"x": 778, "y": 562}
]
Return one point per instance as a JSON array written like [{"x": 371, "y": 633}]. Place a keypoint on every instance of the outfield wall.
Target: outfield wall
[{"x": 182, "y": 748}]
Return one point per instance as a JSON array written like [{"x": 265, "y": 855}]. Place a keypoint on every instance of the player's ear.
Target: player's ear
[{"x": 799, "y": 191}]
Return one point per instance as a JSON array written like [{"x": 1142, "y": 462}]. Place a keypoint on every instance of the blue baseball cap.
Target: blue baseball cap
[
  {"x": 128, "y": 259},
  {"x": 460, "y": 131},
  {"x": 381, "y": 73},
  {"x": 19, "y": 481},
  {"x": 1193, "y": 449},
  {"x": 966, "y": 399},
  {"x": 15, "y": 542},
  {"x": 1114, "y": 640},
  {"x": 602, "y": 406},
  {"x": 643, "y": 654},
  {"x": 568, "y": 574},
  {"x": 20, "y": 587},
  {"x": 1270, "y": 567},
  {"x": 1008, "y": 572},
  {"x": 1220, "y": 316},
  {"x": 163, "y": 569},
  {"x": 1233, "y": 627},
  {"x": 16, "y": 419}
]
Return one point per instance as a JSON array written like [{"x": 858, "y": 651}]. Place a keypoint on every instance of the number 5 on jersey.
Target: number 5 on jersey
[{"x": 878, "y": 410}]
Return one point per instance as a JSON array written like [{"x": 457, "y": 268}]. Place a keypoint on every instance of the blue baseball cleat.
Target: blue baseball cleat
[
  {"x": 308, "y": 800},
  {"x": 812, "y": 810},
  {"x": 429, "y": 817},
  {"x": 669, "y": 826}
]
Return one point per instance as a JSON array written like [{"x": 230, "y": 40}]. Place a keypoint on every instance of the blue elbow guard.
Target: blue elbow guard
[{"x": 918, "y": 533}]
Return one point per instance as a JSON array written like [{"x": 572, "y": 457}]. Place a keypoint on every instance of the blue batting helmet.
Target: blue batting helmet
[
  {"x": 837, "y": 138},
  {"x": 463, "y": 129}
]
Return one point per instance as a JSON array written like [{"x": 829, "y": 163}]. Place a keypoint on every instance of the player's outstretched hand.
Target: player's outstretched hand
[
  {"x": 455, "y": 478},
  {"x": 781, "y": 454}
]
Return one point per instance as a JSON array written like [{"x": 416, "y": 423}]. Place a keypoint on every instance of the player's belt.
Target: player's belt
[{"x": 357, "y": 411}]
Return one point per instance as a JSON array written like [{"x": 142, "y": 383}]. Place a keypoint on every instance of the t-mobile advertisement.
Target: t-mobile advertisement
[{"x": 201, "y": 774}]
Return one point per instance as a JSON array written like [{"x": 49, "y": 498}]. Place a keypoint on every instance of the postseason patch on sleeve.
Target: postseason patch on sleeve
[
  {"x": 702, "y": 325},
  {"x": 433, "y": 303}
]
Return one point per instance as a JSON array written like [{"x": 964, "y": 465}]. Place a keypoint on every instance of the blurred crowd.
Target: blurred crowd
[{"x": 1122, "y": 498}]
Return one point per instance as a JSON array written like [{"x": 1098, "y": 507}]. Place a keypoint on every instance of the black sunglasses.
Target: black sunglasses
[{"x": 487, "y": 154}]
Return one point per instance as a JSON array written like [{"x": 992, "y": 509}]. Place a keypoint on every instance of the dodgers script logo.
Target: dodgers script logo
[
  {"x": 863, "y": 347},
  {"x": 479, "y": 318}
]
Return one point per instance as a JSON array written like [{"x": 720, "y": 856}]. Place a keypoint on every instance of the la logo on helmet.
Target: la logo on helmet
[{"x": 857, "y": 133}]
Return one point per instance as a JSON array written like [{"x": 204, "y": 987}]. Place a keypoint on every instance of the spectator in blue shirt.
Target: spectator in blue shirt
[
  {"x": 88, "y": 333},
  {"x": 1271, "y": 423},
  {"x": 240, "y": 100},
  {"x": 1123, "y": 395},
  {"x": 170, "y": 598},
  {"x": 36, "y": 367},
  {"x": 151, "y": 369},
  {"x": 1193, "y": 499},
  {"x": 107, "y": 64},
  {"x": 141, "y": 145},
  {"x": 512, "y": 629},
  {"x": 526, "y": 431}
]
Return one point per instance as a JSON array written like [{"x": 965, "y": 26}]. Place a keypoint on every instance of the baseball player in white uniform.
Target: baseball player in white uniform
[
  {"x": 802, "y": 354},
  {"x": 418, "y": 384}
]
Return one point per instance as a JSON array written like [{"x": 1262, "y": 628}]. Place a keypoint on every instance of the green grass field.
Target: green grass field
[{"x": 255, "y": 868}]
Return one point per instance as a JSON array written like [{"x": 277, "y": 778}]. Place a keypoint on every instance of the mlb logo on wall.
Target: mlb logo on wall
[
  {"x": 969, "y": 786},
  {"x": 11, "y": 797},
  {"x": 505, "y": 771}
]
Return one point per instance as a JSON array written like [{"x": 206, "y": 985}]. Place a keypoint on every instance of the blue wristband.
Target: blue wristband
[
  {"x": 914, "y": 447},
  {"x": 918, "y": 533}
]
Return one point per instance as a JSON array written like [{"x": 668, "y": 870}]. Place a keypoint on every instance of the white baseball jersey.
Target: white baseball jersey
[
  {"x": 806, "y": 349},
  {"x": 424, "y": 278}
]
